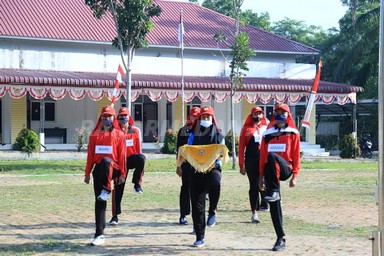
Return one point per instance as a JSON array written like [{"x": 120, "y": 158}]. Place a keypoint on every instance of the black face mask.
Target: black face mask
[{"x": 256, "y": 119}]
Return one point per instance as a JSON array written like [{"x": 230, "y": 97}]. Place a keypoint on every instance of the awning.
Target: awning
[{"x": 57, "y": 84}]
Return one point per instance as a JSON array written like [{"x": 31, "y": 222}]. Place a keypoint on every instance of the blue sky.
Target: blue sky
[{"x": 325, "y": 13}]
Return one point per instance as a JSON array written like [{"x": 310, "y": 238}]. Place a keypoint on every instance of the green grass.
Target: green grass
[
  {"x": 155, "y": 165},
  {"x": 51, "y": 196}
]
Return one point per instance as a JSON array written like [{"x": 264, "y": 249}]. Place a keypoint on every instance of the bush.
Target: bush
[
  {"x": 348, "y": 147},
  {"x": 169, "y": 146},
  {"x": 27, "y": 141},
  {"x": 228, "y": 142}
]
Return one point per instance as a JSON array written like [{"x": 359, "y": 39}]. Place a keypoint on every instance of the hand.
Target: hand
[
  {"x": 121, "y": 180},
  {"x": 179, "y": 171},
  {"x": 293, "y": 182},
  {"x": 86, "y": 179},
  {"x": 261, "y": 183},
  {"x": 243, "y": 171}
]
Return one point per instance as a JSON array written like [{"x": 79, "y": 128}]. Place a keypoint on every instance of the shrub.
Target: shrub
[
  {"x": 348, "y": 147},
  {"x": 27, "y": 141},
  {"x": 81, "y": 137},
  {"x": 169, "y": 146},
  {"x": 228, "y": 142}
]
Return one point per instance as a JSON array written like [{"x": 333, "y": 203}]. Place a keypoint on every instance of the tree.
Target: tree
[
  {"x": 257, "y": 20},
  {"x": 225, "y": 7},
  {"x": 132, "y": 23}
]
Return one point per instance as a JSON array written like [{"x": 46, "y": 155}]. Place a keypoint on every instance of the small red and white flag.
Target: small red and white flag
[
  {"x": 119, "y": 80},
  {"x": 181, "y": 31},
  {"x": 312, "y": 97}
]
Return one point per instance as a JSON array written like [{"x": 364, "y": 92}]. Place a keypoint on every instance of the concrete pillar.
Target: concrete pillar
[{"x": 310, "y": 134}]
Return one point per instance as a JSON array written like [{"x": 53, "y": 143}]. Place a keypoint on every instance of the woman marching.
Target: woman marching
[
  {"x": 205, "y": 132},
  {"x": 106, "y": 160},
  {"x": 249, "y": 156}
]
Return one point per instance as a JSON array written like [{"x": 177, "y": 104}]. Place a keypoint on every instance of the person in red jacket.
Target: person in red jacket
[
  {"x": 106, "y": 156},
  {"x": 279, "y": 160},
  {"x": 249, "y": 155},
  {"x": 135, "y": 160}
]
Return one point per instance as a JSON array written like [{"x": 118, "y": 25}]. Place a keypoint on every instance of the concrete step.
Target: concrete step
[{"x": 312, "y": 149}]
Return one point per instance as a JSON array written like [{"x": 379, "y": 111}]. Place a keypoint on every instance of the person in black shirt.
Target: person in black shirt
[
  {"x": 182, "y": 139},
  {"x": 205, "y": 131}
]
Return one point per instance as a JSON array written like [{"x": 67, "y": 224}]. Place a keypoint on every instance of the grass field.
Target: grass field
[{"x": 46, "y": 209}]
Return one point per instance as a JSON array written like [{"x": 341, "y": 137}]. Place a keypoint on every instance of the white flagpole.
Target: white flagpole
[{"x": 181, "y": 40}]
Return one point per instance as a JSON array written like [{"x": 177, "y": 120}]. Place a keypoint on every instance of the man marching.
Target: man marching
[
  {"x": 106, "y": 156},
  {"x": 135, "y": 160}
]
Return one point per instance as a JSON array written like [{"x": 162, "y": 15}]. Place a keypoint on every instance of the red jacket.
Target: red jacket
[
  {"x": 113, "y": 145},
  {"x": 284, "y": 142},
  {"x": 133, "y": 141},
  {"x": 247, "y": 132}
]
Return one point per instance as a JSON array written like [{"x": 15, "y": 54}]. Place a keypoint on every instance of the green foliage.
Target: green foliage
[
  {"x": 170, "y": 139},
  {"x": 241, "y": 53},
  {"x": 132, "y": 19},
  {"x": 27, "y": 141},
  {"x": 228, "y": 142},
  {"x": 348, "y": 147}
]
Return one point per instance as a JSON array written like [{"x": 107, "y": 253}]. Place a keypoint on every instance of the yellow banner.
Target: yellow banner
[{"x": 202, "y": 157}]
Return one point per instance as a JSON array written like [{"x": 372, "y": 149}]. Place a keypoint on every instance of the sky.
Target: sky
[{"x": 324, "y": 13}]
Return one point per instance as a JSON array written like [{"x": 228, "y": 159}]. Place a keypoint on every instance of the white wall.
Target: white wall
[{"x": 44, "y": 55}]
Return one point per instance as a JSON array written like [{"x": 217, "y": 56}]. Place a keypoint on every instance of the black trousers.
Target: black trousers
[
  {"x": 253, "y": 174},
  {"x": 100, "y": 179},
  {"x": 276, "y": 169},
  {"x": 199, "y": 185},
  {"x": 184, "y": 199},
  {"x": 133, "y": 161}
]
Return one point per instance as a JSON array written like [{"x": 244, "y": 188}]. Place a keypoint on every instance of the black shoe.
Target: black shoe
[
  {"x": 114, "y": 221},
  {"x": 275, "y": 196},
  {"x": 183, "y": 221},
  {"x": 137, "y": 189},
  {"x": 264, "y": 208},
  {"x": 279, "y": 245}
]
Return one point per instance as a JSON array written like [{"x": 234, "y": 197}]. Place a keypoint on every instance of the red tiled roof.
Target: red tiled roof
[
  {"x": 103, "y": 80},
  {"x": 73, "y": 20}
]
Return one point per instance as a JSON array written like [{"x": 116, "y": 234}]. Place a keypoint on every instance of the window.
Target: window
[{"x": 49, "y": 112}]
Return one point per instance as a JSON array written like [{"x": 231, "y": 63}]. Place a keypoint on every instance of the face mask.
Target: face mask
[
  {"x": 280, "y": 118},
  {"x": 256, "y": 119},
  {"x": 107, "y": 122},
  {"x": 123, "y": 120},
  {"x": 205, "y": 123}
]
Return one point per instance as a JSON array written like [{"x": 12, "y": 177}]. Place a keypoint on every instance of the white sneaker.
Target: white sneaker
[
  {"x": 255, "y": 218},
  {"x": 99, "y": 240},
  {"x": 104, "y": 195}
]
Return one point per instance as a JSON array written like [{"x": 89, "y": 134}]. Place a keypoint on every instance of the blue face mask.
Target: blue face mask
[
  {"x": 280, "y": 118},
  {"x": 123, "y": 120},
  {"x": 205, "y": 123},
  {"x": 107, "y": 122}
]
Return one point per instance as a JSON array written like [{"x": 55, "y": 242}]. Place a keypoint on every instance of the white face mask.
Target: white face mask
[{"x": 205, "y": 123}]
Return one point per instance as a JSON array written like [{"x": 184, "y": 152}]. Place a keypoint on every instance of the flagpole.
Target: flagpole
[{"x": 181, "y": 39}]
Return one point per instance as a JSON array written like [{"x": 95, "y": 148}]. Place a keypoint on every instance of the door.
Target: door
[{"x": 150, "y": 122}]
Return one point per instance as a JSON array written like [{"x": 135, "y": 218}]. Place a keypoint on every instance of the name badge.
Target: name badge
[
  {"x": 103, "y": 150},
  {"x": 129, "y": 143},
  {"x": 277, "y": 147},
  {"x": 257, "y": 137}
]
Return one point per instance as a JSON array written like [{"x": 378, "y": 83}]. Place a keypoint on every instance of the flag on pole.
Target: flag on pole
[
  {"x": 181, "y": 31},
  {"x": 312, "y": 98},
  {"x": 119, "y": 80}
]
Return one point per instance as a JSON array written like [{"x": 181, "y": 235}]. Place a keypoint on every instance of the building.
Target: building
[{"x": 58, "y": 68}]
